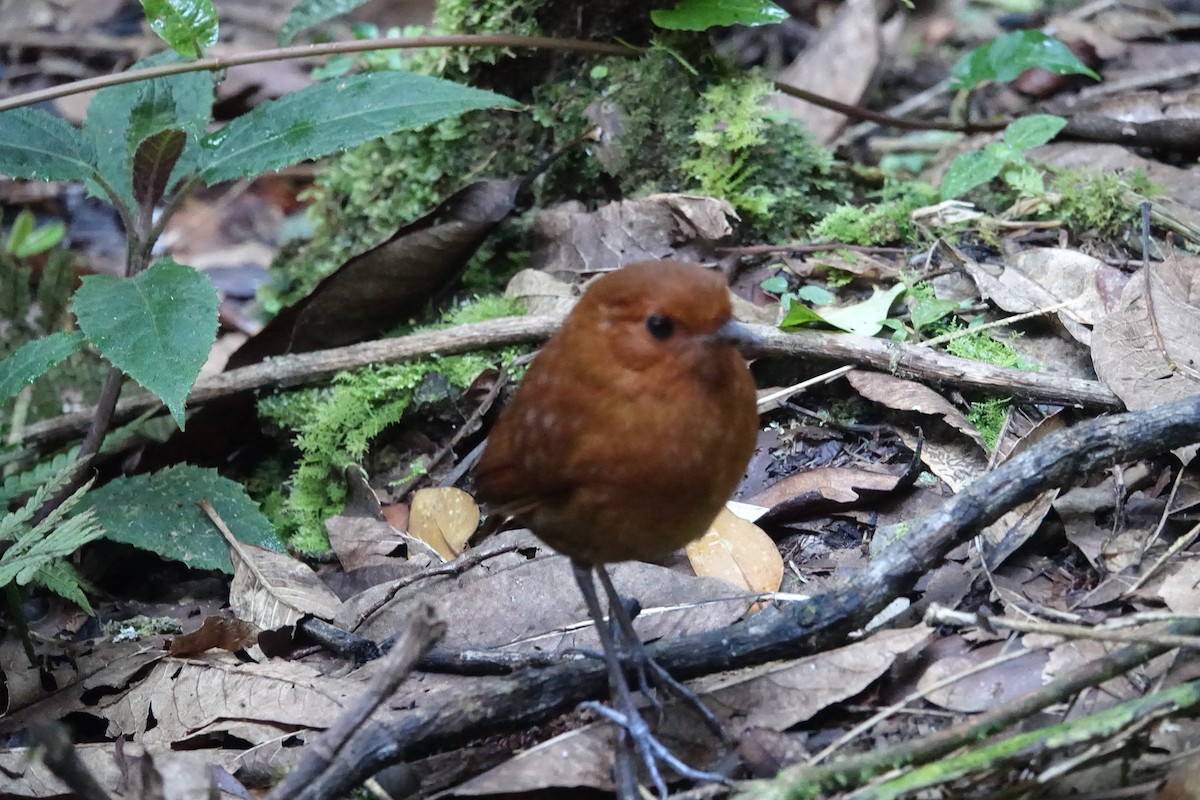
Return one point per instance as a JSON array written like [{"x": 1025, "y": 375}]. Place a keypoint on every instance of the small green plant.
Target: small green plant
[
  {"x": 1004, "y": 159},
  {"x": 1009, "y": 54},
  {"x": 144, "y": 146},
  {"x": 335, "y": 427},
  {"x": 988, "y": 418},
  {"x": 884, "y": 222}
]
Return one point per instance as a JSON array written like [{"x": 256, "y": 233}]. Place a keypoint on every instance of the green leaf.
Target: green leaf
[
  {"x": 700, "y": 15},
  {"x": 817, "y": 295},
  {"x": 865, "y": 318},
  {"x": 157, "y": 327},
  {"x": 34, "y": 144},
  {"x": 307, "y": 13},
  {"x": 61, "y": 578},
  {"x": 158, "y": 512},
  {"x": 40, "y": 240},
  {"x": 332, "y": 116},
  {"x": 42, "y": 473},
  {"x": 121, "y": 118},
  {"x": 153, "y": 163},
  {"x": 968, "y": 171},
  {"x": 927, "y": 310},
  {"x": 776, "y": 284},
  {"x": 189, "y": 26},
  {"x": 1033, "y": 131},
  {"x": 799, "y": 314},
  {"x": 32, "y": 360},
  {"x": 1010, "y": 54}
]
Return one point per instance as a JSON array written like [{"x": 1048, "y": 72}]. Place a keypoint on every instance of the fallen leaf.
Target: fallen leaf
[
  {"x": 737, "y": 552},
  {"x": 222, "y": 633},
  {"x": 905, "y": 395},
  {"x": 569, "y": 241},
  {"x": 824, "y": 68},
  {"x": 273, "y": 590},
  {"x": 1147, "y": 350},
  {"x": 390, "y": 283},
  {"x": 443, "y": 517}
]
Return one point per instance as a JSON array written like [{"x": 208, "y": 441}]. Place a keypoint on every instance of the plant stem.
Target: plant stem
[
  {"x": 90, "y": 446},
  {"x": 217, "y": 63}
]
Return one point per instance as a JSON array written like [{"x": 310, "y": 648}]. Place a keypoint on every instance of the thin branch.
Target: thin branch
[{"x": 218, "y": 63}]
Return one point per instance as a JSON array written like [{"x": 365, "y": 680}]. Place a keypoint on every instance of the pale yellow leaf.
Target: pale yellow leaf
[
  {"x": 444, "y": 518},
  {"x": 738, "y": 552}
]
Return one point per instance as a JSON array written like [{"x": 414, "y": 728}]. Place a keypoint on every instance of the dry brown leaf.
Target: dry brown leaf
[
  {"x": 569, "y": 241},
  {"x": 385, "y": 286},
  {"x": 738, "y": 552},
  {"x": 777, "y": 695},
  {"x": 1043, "y": 277},
  {"x": 222, "y": 633},
  {"x": 444, "y": 517},
  {"x": 905, "y": 395},
  {"x": 541, "y": 292},
  {"x": 823, "y": 68},
  {"x": 1181, "y": 590},
  {"x": 219, "y": 694},
  {"x": 1148, "y": 350},
  {"x": 273, "y": 589},
  {"x": 981, "y": 690},
  {"x": 541, "y": 609}
]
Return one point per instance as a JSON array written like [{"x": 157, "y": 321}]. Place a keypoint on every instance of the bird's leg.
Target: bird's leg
[
  {"x": 625, "y": 714},
  {"x": 638, "y": 657}
]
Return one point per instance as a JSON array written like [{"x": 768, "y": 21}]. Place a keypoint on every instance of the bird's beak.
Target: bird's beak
[{"x": 739, "y": 335}]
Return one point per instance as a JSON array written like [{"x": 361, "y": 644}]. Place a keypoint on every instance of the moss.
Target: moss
[
  {"x": 988, "y": 418},
  {"x": 1101, "y": 202},
  {"x": 885, "y": 222},
  {"x": 336, "y": 426},
  {"x": 688, "y": 124}
]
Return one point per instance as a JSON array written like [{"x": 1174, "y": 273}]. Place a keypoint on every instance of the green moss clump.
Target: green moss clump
[
  {"x": 885, "y": 222},
  {"x": 988, "y": 418},
  {"x": 979, "y": 346},
  {"x": 1101, "y": 202},
  {"x": 334, "y": 427}
]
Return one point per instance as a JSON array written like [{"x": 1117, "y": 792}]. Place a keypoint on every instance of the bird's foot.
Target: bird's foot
[{"x": 650, "y": 749}]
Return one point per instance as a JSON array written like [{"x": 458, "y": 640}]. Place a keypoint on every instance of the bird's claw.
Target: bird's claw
[{"x": 651, "y": 749}]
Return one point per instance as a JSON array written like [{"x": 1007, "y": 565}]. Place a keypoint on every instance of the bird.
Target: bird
[{"x": 630, "y": 429}]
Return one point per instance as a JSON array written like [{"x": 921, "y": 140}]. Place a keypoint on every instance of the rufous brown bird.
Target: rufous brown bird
[{"x": 630, "y": 430}]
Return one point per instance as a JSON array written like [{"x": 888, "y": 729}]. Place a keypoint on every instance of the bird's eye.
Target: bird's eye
[{"x": 661, "y": 327}]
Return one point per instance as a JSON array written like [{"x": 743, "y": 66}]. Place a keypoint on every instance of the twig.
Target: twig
[
  {"x": 219, "y": 63},
  {"x": 423, "y": 628},
  {"x": 903, "y": 360},
  {"x": 940, "y": 615}
]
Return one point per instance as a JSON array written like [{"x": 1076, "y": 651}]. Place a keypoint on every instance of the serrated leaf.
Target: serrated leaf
[
  {"x": 61, "y": 578},
  {"x": 700, "y": 15},
  {"x": 157, "y": 326},
  {"x": 189, "y": 26},
  {"x": 153, "y": 163},
  {"x": 1010, "y": 54},
  {"x": 307, "y": 13},
  {"x": 40, "y": 475},
  {"x": 32, "y": 360},
  {"x": 968, "y": 171},
  {"x": 332, "y": 116},
  {"x": 34, "y": 144},
  {"x": 158, "y": 512},
  {"x": 1033, "y": 131},
  {"x": 121, "y": 117}
]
